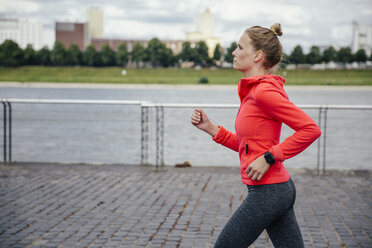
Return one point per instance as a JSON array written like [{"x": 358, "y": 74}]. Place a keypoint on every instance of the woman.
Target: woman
[{"x": 264, "y": 107}]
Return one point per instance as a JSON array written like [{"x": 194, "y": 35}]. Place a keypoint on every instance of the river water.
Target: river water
[{"x": 112, "y": 134}]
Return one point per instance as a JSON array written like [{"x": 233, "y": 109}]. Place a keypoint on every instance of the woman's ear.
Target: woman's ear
[{"x": 259, "y": 56}]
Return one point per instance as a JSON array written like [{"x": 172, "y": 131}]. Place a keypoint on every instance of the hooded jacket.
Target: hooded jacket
[{"x": 264, "y": 106}]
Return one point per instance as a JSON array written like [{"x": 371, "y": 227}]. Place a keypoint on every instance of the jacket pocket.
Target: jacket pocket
[
  {"x": 245, "y": 151},
  {"x": 248, "y": 151}
]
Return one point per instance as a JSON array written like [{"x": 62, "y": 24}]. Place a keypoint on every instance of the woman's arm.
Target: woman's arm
[
  {"x": 277, "y": 106},
  {"x": 201, "y": 121},
  {"x": 219, "y": 134}
]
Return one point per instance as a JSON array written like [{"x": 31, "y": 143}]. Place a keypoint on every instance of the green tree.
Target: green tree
[
  {"x": 202, "y": 53},
  {"x": 228, "y": 56},
  {"x": 43, "y": 56},
  {"x": 330, "y": 54},
  {"x": 217, "y": 52},
  {"x": 314, "y": 57},
  {"x": 122, "y": 54},
  {"x": 155, "y": 51},
  {"x": 58, "y": 55},
  {"x": 74, "y": 55},
  {"x": 297, "y": 56},
  {"x": 370, "y": 57},
  {"x": 137, "y": 54},
  {"x": 10, "y": 54},
  {"x": 344, "y": 55},
  {"x": 166, "y": 57},
  {"x": 360, "y": 56},
  {"x": 29, "y": 56},
  {"x": 91, "y": 57},
  {"x": 186, "y": 53},
  {"x": 107, "y": 56}
]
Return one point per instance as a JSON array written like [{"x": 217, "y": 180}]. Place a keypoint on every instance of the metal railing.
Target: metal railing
[{"x": 159, "y": 108}]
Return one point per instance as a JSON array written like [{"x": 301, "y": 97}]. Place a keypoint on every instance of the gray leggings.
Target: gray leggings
[{"x": 267, "y": 207}]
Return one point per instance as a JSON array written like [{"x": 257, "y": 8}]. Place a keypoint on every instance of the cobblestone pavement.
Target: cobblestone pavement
[{"x": 134, "y": 206}]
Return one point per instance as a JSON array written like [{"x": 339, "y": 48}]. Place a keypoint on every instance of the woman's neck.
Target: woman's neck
[{"x": 255, "y": 72}]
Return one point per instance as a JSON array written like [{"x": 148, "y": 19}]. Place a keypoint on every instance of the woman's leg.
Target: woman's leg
[
  {"x": 243, "y": 228},
  {"x": 285, "y": 232},
  {"x": 263, "y": 205}
]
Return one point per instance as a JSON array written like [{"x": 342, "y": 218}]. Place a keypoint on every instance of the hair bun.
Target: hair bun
[{"x": 277, "y": 29}]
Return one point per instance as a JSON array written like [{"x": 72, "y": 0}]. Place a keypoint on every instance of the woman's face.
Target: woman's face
[{"x": 244, "y": 54}]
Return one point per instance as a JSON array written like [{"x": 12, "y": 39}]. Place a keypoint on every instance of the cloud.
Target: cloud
[
  {"x": 113, "y": 11},
  {"x": 19, "y": 7},
  {"x": 342, "y": 34},
  {"x": 305, "y": 22}
]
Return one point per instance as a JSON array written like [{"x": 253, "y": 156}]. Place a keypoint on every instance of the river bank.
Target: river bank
[{"x": 215, "y": 76}]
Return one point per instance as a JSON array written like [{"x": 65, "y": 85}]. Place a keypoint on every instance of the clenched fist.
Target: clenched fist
[{"x": 201, "y": 121}]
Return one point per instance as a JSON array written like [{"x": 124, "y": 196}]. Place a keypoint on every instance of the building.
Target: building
[
  {"x": 362, "y": 38},
  {"x": 204, "y": 32},
  {"x": 114, "y": 43},
  {"x": 205, "y": 23},
  {"x": 73, "y": 33},
  {"x": 94, "y": 17},
  {"x": 174, "y": 45},
  {"x": 26, "y": 33}
]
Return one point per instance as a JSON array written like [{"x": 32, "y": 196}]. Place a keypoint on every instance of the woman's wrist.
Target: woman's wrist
[{"x": 212, "y": 130}]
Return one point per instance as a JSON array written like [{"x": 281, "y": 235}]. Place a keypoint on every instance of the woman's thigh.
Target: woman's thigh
[
  {"x": 285, "y": 232},
  {"x": 243, "y": 227}
]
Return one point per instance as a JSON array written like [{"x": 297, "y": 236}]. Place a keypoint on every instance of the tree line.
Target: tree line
[
  {"x": 315, "y": 56},
  {"x": 156, "y": 54}
]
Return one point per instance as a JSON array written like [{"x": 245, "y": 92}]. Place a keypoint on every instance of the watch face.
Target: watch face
[{"x": 269, "y": 158}]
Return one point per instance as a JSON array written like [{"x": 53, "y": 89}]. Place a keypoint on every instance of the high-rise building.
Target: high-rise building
[
  {"x": 26, "y": 33},
  {"x": 205, "y": 23},
  {"x": 204, "y": 32},
  {"x": 362, "y": 38},
  {"x": 73, "y": 33},
  {"x": 94, "y": 17}
]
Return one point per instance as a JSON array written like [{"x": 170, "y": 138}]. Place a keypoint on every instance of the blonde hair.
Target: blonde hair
[{"x": 266, "y": 40}]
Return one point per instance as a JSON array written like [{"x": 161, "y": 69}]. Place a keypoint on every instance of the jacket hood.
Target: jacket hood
[{"x": 245, "y": 83}]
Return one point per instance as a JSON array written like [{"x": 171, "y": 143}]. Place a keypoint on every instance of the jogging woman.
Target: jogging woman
[{"x": 264, "y": 106}]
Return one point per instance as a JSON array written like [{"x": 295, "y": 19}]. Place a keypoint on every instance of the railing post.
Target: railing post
[
  {"x": 322, "y": 111},
  {"x": 159, "y": 136},
  {"x": 4, "y": 138},
  {"x": 324, "y": 139},
  {"x": 320, "y": 127},
  {"x": 144, "y": 134},
  {"x": 10, "y": 131}
]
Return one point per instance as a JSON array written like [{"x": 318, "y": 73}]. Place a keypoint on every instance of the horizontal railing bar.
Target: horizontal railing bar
[
  {"x": 190, "y": 105},
  {"x": 169, "y": 105},
  {"x": 205, "y": 105},
  {"x": 349, "y": 106},
  {"x": 72, "y": 101}
]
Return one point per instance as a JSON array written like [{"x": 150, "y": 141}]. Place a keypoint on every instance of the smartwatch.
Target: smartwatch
[{"x": 269, "y": 158}]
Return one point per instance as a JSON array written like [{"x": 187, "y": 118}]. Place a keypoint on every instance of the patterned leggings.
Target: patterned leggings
[{"x": 267, "y": 207}]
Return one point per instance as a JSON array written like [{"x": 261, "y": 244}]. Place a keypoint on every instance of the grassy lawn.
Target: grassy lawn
[{"x": 174, "y": 76}]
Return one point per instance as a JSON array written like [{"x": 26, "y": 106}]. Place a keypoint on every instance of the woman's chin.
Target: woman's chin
[{"x": 235, "y": 67}]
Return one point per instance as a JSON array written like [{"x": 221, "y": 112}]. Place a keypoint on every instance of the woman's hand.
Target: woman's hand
[
  {"x": 201, "y": 121},
  {"x": 257, "y": 168}
]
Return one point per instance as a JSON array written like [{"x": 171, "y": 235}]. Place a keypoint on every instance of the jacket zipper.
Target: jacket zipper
[{"x": 246, "y": 148}]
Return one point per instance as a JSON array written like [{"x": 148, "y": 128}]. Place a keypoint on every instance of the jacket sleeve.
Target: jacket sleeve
[
  {"x": 275, "y": 104},
  {"x": 227, "y": 138}
]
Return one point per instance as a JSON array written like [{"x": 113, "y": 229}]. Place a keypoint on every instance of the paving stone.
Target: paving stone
[{"x": 136, "y": 206}]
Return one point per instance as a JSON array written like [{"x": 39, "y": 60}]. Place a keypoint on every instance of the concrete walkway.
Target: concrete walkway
[{"x": 131, "y": 206}]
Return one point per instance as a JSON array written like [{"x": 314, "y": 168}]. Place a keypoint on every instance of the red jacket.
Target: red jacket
[{"x": 264, "y": 107}]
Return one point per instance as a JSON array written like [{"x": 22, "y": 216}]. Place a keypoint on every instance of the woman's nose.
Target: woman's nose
[{"x": 233, "y": 53}]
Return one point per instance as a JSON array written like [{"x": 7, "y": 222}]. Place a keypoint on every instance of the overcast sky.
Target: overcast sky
[{"x": 304, "y": 22}]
